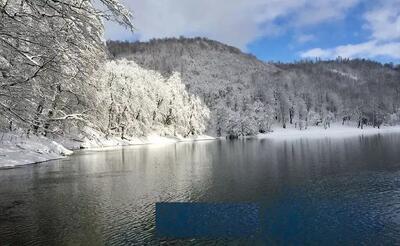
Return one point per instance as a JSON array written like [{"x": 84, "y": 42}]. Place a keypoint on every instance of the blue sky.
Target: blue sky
[
  {"x": 289, "y": 45},
  {"x": 275, "y": 30}
]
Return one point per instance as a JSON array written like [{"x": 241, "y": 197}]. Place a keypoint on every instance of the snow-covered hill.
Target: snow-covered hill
[{"x": 246, "y": 95}]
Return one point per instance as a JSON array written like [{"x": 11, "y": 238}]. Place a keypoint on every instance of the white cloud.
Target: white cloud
[
  {"x": 316, "y": 52},
  {"x": 370, "y": 49},
  {"x": 315, "y": 12},
  {"x": 384, "y": 20},
  {"x": 304, "y": 38},
  {"x": 236, "y": 22}
]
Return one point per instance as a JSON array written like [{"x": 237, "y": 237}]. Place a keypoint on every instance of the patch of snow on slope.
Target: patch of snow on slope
[{"x": 351, "y": 76}]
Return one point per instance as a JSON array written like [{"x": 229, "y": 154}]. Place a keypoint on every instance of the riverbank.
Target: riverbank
[{"x": 17, "y": 150}]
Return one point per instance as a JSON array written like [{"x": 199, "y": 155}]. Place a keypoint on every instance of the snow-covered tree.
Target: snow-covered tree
[
  {"x": 142, "y": 101},
  {"x": 49, "y": 51}
]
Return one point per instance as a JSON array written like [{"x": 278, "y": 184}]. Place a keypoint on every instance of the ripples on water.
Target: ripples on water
[{"x": 316, "y": 191}]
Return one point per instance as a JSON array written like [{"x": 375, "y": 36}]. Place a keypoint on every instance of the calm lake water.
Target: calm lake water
[{"x": 313, "y": 191}]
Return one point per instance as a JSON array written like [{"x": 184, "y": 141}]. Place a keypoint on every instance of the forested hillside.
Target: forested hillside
[{"x": 246, "y": 96}]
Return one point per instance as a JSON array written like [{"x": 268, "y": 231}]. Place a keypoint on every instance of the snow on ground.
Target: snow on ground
[
  {"x": 351, "y": 76},
  {"x": 335, "y": 131},
  {"x": 196, "y": 138},
  {"x": 101, "y": 144},
  {"x": 94, "y": 140},
  {"x": 18, "y": 150}
]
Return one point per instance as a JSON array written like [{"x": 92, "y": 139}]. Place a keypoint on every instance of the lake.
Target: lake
[{"x": 313, "y": 191}]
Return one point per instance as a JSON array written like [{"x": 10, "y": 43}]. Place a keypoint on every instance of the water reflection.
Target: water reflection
[{"x": 311, "y": 189}]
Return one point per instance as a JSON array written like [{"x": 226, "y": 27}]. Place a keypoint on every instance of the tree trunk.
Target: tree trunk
[
  {"x": 291, "y": 114},
  {"x": 56, "y": 98},
  {"x": 36, "y": 121}
]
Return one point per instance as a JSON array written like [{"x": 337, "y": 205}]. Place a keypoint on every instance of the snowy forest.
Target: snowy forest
[{"x": 58, "y": 77}]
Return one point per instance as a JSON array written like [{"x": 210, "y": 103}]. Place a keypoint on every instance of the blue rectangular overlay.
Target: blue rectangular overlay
[{"x": 206, "y": 220}]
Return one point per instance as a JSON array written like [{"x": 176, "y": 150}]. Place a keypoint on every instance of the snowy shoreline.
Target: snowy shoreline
[
  {"x": 336, "y": 131},
  {"x": 116, "y": 143},
  {"x": 17, "y": 150}
]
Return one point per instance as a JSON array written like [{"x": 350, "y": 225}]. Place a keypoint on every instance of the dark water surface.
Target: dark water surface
[{"x": 313, "y": 191}]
